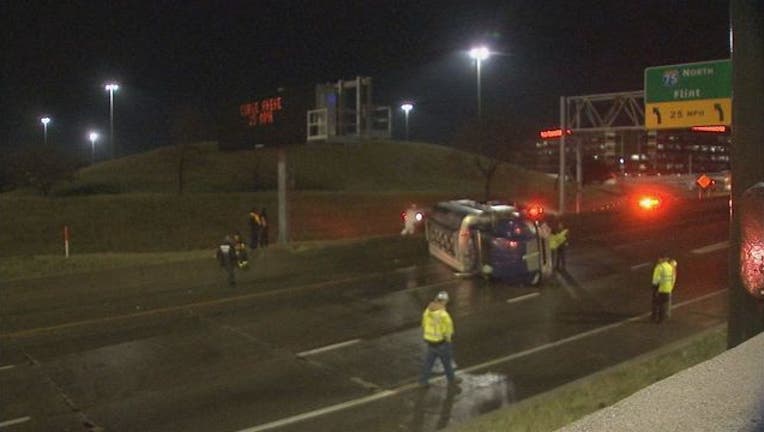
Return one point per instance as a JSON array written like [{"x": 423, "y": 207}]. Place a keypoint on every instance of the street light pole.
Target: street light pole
[
  {"x": 93, "y": 137},
  {"x": 479, "y": 54},
  {"x": 111, "y": 88},
  {"x": 406, "y": 107},
  {"x": 45, "y": 121}
]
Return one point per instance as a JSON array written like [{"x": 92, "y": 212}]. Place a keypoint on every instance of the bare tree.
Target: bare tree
[
  {"x": 41, "y": 167},
  {"x": 187, "y": 127},
  {"x": 489, "y": 148}
]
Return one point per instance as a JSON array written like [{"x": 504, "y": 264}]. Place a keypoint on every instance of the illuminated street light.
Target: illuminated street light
[
  {"x": 45, "y": 121},
  {"x": 479, "y": 54},
  {"x": 406, "y": 107},
  {"x": 93, "y": 137},
  {"x": 111, "y": 88}
]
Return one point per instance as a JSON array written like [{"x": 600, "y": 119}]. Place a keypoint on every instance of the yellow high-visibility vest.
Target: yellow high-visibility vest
[
  {"x": 437, "y": 325},
  {"x": 557, "y": 239},
  {"x": 664, "y": 275}
]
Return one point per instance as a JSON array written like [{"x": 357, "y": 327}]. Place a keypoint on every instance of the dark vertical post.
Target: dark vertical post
[
  {"x": 282, "y": 193},
  {"x": 579, "y": 177},
  {"x": 561, "y": 178},
  {"x": 746, "y": 315}
]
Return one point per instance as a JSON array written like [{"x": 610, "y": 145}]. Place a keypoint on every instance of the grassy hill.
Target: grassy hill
[
  {"x": 373, "y": 166},
  {"x": 336, "y": 191}
]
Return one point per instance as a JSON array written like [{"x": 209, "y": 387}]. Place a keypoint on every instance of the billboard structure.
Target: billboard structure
[
  {"x": 345, "y": 109},
  {"x": 341, "y": 110},
  {"x": 270, "y": 119}
]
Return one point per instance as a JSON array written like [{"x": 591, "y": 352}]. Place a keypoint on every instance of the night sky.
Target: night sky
[{"x": 170, "y": 55}]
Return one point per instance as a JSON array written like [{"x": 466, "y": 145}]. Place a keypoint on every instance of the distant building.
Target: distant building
[{"x": 646, "y": 152}]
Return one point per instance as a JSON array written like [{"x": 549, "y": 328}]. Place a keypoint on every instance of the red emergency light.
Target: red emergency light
[
  {"x": 535, "y": 211},
  {"x": 553, "y": 133},
  {"x": 715, "y": 129}
]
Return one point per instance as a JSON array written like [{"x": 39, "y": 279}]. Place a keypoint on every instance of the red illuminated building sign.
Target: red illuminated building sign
[
  {"x": 553, "y": 133},
  {"x": 261, "y": 112},
  {"x": 717, "y": 129}
]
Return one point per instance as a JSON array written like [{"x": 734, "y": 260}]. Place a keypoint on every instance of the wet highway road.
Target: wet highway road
[{"x": 295, "y": 354}]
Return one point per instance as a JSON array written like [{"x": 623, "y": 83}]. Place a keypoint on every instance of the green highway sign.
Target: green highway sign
[
  {"x": 686, "y": 95},
  {"x": 691, "y": 81}
]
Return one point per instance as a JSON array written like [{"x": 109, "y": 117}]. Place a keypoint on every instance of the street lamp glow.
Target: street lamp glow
[
  {"x": 111, "y": 88},
  {"x": 480, "y": 53},
  {"x": 45, "y": 121},
  {"x": 93, "y": 137},
  {"x": 406, "y": 107}
]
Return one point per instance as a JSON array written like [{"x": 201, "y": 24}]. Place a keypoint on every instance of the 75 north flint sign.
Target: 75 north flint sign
[{"x": 686, "y": 95}]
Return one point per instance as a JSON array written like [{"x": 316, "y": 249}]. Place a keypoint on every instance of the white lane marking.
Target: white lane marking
[
  {"x": 582, "y": 335},
  {"x": 405, "y": 387},
  {"x": 523, "y": 297},
  {"x": 6, "y": 367},
  {"x": 15, "y": 421},
  {"x": 320, "y": 412},
  {"x": 639, "y": 266},
  {"x": 712, "y": 248},
  {"x": 328, "y": 347}
]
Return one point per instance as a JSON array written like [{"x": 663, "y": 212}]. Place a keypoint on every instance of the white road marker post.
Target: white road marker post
[{"x": 66, "y": 241}]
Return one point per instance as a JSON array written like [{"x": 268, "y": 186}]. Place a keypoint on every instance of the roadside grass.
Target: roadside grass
[
  {"x": 35, "y": 266},
  {"x": 559, "y": 407},
  {"x": 38, "y": 266}
]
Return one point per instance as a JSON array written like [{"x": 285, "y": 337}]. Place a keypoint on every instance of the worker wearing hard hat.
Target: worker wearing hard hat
[{"x": 438, "y": 329}]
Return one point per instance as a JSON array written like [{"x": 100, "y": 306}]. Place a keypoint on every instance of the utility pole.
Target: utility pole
[{"x": 746, "y": 312}]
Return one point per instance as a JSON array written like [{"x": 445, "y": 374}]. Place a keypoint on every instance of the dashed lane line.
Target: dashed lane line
[
  {"x": 6, "y": 367},
  {"x": 387, "y": 393},
  {"x": 202, "y": 304},
  {"x": 639, "y": 266},
  {"x": 14, "y": 421},
  {"x": 523, "y": 297},
  {"x": 319, "y": 412},
  {"x": 711, "y": 248},
  {"x": 328, "y": 347}
]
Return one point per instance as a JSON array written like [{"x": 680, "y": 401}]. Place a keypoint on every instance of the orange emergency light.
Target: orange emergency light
[{"x": 649, "y": 202}]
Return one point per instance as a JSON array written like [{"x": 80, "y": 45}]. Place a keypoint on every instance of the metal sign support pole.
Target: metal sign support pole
[
  {"x": 561, "y": 174},
  {"x": 282, "y": 193}
]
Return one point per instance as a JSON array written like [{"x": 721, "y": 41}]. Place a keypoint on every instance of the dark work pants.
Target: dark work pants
[
  {"x": 560, "y": 263},
  {"x": 442, "y": 351},
  {"x": 660, "y": 306}
]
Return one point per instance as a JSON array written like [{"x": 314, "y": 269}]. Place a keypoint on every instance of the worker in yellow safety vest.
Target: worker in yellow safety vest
[
  {"x": 558, "y": 242},
  {"x": 664, "y": 280},
  {"x": 438, "y": 329}
]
